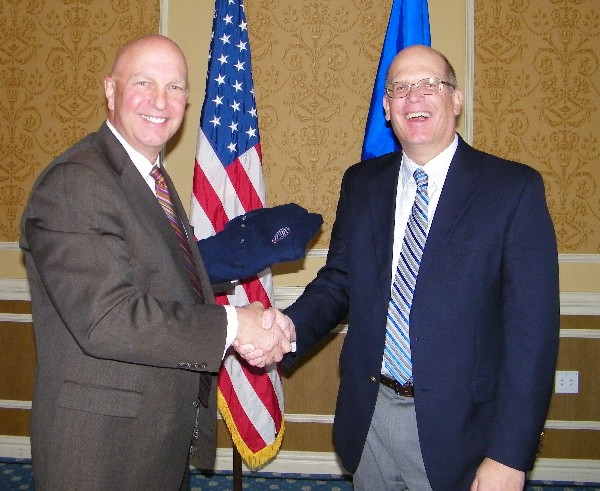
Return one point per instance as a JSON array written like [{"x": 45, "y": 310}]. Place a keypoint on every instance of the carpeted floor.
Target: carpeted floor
[{"x": 15, "y": 475}]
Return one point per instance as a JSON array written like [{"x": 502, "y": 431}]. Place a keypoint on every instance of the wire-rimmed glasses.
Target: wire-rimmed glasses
[{"x": 426, "y": 86}]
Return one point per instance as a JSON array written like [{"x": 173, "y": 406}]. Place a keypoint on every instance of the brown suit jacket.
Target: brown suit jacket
[{"x": 120, "y": 336}]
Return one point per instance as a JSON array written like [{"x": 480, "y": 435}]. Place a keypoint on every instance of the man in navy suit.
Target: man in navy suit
[{"x": 484, "y": 318}]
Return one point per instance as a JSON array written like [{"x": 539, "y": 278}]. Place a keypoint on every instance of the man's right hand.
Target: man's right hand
[
  {"x": 260, "y": 339},
  {"x": 272, "y": 317}
]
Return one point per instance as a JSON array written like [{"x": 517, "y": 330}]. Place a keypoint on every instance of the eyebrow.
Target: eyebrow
[{"x": 151, "y": 76}]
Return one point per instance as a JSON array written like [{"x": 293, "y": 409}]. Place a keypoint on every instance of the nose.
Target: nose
[
  {"x": 414, "y": 94},
  {"x": 159, "y": 98}
]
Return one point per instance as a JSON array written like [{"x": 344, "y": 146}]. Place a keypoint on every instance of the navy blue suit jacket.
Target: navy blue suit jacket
[{"x": 484, "y": 319}]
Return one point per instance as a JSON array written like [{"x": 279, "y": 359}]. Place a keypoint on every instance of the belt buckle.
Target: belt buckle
[{"x": 406, "y": 390}]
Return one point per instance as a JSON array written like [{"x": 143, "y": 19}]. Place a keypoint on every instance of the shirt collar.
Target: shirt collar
[
  {"x": 143, "y": 165},
  {"x": 436, "y": 169}
]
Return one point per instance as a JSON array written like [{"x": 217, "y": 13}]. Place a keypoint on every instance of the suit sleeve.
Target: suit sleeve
[
  {"x": 111, "y": 279},
  {"x": 324, "y": 302},
  {"x": 530, "y": 330}
]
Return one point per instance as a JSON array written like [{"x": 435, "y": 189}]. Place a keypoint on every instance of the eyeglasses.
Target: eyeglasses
[{"x": 427, "y": 86}]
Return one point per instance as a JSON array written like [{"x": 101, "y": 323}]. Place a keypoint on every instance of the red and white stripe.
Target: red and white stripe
[{"x": 253, "y": 397}]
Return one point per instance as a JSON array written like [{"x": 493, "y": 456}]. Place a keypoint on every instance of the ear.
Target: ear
[
  {"x": 457, "y": 101},
  {"x": 109, "y": 92},
  {"x": 386, "y": 106}
]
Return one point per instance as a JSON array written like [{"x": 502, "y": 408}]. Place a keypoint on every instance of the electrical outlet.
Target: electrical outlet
[{"x": 566, "y": 382}]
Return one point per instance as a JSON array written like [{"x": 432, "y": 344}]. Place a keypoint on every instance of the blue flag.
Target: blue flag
[{"x": 409, "y": 24}]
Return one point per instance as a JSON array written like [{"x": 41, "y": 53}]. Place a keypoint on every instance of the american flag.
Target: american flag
[{"x": 228, "y": 182}]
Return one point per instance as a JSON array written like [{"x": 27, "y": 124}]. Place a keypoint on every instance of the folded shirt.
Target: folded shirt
[{"x": 258, "y": 239}]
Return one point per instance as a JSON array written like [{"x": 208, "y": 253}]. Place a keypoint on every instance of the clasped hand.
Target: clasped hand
[{"x": 264, "y": 335}]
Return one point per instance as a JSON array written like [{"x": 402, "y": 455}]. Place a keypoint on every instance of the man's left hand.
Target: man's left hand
[{"x": 494, "y": 476}]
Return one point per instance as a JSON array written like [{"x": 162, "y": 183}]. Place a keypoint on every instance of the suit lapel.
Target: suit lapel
[
  {"x": 144, "y": 202},
  {"x": 462, "y": 183},
  {"x": 143, "y": 199},
  {"x": 383, "y": 187},
  {"x": 204, "y": 279},
  {"x": 134, "y": 186}
]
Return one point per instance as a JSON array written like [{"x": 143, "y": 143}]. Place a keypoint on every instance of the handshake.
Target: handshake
[{"x": 264, "y": 335}]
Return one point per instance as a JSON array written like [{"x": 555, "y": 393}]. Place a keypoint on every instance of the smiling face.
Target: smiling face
[
  {"x": 424, "y": 124},
  {"x": 147, "y": 93}
]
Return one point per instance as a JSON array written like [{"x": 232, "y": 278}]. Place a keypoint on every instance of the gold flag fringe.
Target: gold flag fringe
[{"x": 253, "y": 460}]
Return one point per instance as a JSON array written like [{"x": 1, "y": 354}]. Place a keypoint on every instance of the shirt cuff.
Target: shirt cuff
[{"x": 232, "y": 326}]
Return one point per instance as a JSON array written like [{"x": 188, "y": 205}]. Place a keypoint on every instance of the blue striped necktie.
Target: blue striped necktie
[{"x": 397, "y": 356}]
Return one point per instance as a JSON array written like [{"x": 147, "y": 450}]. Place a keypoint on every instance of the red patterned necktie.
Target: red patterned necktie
[{"x": 164, "y": 198}]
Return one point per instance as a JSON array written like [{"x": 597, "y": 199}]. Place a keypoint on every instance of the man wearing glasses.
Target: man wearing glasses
[{"x": 444, "y": 261}]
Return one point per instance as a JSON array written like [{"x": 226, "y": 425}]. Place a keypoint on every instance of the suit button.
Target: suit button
[
  {"x": 373, "y": 379},
  {"x": 196, "y": 403}
]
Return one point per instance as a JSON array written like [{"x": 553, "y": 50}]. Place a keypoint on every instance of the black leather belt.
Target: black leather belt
[{"x": 406, "y": 390}]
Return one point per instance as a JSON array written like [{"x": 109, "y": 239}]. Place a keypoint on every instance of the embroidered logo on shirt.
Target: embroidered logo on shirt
[{"x": 281, "y": 234}]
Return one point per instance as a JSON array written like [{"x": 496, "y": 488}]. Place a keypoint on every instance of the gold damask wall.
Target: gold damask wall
[
  {"x": 314, "y": 65},
  {"x": 537, "y": 83},
  {"x": 53, "y": 57}
]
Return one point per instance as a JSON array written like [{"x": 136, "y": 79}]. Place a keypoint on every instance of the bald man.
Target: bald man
[
  {"x": 127, "y": 333},
  {"x": 443, "y": 258}
]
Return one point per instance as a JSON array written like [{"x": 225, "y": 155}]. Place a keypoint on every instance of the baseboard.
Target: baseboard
[
  {"x": 566, "y": 470},
  {"x": 287, "y": 462},
  {"x": 15, "y": 447},
  {"x": 319, "y": 463}
]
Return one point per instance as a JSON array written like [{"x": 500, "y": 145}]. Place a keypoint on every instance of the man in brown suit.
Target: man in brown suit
[{"x": 126, "y": 348}]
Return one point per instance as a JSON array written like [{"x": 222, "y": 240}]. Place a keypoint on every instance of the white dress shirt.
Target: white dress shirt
[{"x": 436, "y": 170}]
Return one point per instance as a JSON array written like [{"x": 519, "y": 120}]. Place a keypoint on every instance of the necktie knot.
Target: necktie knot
[
  {"x": 157, "y": 175},
  {"x": 421, "y": 179}
]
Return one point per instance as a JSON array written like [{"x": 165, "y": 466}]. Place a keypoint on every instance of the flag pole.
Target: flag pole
[{"x": 237, "y": 470}]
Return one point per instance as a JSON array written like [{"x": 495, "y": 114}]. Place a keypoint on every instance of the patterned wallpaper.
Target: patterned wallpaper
[
  {"x": 536, "y": 90},
  {"x": 537, "y": 83},
  {"x": 314, "y": 64},
  {"x": 53, "y": 57}
]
